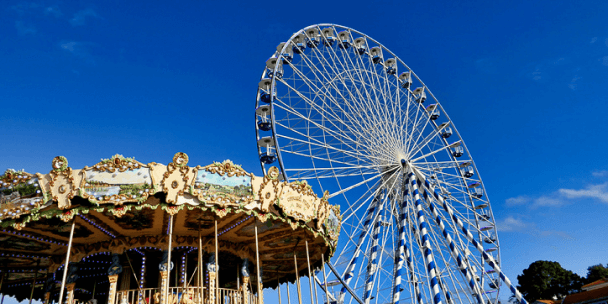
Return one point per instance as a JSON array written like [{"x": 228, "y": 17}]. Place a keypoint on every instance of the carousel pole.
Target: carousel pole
[
  {"x": 324, "y": 279},
  {"x": 279, "y": 287},
  {"x": 257, "y": 263},
  {"x": 217, "y": 269},
  {"x": 67, "y": 262},
  {"x": 288, "y": 296},
  {"x": 166, "y": 291},
  {"x": 94, "y": 287},
  {"x": 309, "y": 274},
  {"x": 295, "y": 261},
  {"x": 34, "y": 283}
]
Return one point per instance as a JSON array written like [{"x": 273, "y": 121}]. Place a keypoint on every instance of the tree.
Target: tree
[
  {"x": 596, "y": 272},
  {"x": 547, "y": 280}
]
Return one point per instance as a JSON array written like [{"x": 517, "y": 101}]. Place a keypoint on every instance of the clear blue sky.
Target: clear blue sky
[{"x": 523, "y": 81}]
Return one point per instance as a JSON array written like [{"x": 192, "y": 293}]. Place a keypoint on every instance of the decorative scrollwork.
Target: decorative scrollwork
[
  {"x": 60, "y": 163},
  {"x": 116, "y": 163},
  {"x": 61, "y": 182},
  {"x": 177, "y": 177},
  {"x": 12, "y": 178},
  {"x": 226, "y": 167},
  {"x": 180, "y": 159}
]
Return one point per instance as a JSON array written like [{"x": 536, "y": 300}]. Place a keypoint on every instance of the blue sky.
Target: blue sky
[{"x": 523, "y": 81}]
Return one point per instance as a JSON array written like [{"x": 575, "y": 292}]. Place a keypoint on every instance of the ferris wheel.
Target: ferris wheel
[{"x": 337, "y": 109}]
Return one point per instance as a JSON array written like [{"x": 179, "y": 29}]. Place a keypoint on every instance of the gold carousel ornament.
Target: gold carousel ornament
[{"x": 207, "y": 227}]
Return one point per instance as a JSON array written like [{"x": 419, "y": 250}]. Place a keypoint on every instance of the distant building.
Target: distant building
[
  {"x": 546, "y": 302},
  {"x": 593, "y": 293}
]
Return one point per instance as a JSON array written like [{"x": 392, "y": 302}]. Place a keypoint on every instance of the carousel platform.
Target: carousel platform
[{"x": 154, "y": 233}]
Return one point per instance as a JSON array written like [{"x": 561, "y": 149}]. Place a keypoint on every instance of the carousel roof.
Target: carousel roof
[{"x": 120, "y": 204}]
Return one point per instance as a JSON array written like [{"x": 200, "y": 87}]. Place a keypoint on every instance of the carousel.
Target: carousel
[{"x": 121, "y": 231}]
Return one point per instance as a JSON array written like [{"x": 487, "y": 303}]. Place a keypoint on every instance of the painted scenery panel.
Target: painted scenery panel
[
  {"x": 234, "y": 187},
  {"x": 131, "y": 184},
  {"x": 24, "y": 193}
]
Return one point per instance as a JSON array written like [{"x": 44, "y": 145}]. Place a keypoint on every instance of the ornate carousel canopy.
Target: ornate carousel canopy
[{"x": 120, "y": 205}]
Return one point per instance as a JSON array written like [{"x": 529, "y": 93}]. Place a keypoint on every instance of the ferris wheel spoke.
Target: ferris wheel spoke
[
  {"x": 314, "y": 106},
  {"x": 385, "y": 255},
  {"x": 420, "y": 118},
  {"x": 357, "y": 204},
  {"x": 341, "y": 134},
  {"x": 490, "y": 260},
  {"x": 326, "y": 80},
  {"x": 346, "y": 70},
  {"x": 435, "y": 151},
  {"x": 376, "y": 223},
  {"x": 321, "y": 128},
  {"x": 447, "y": 243},
  {"x": 371, "y": 218},
  {"x": 375, "y": 92},
  {"x": 455, "y": 177},
  {"x": 319, "y": 158},
  {"x": 335, "y": 71},
  {"x": 448, "y": 164},
  {"x": 419, "y": 145},
  {"x": 362, "y": 80},
  {"x": 315, "y": 142},
  {"x": 356, "y": 185}
]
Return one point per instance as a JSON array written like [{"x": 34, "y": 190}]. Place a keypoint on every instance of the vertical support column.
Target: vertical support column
[
  {"x": 217, "y": 268},
  {"x": 112, "y": 291},
  {"x": 142, "y": 279},
  {"x": 244, "y": 287},
  {"x": 67, "y": 261},
  {"x": 366, "y": 224},
  {"x": 426, "y": 243},
  {"x": 257, "y": 264},
  {"x": 489, "y": 259},
  {"x": 212, "y": 271},
  {"x": 185, "y": 274},
  {"x": 72, "y": 278},
  {"x": 463, "y": 264},
  {"x": 113, "y": 271},
  {"x": 200, "y": 267},
  {"x": 404, "y": 252},
  {"x": 373, "y": 260},
  {"x": 165, "y": 268},
  {"x": 169, "y": 264},
  {"x": 70, "y": 295},
  {"x": 164, "y": 277}
]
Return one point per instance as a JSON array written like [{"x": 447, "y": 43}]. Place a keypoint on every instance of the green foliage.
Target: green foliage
[
  {"x": 596, "y": 272},
  {"x": 23, "y": 189},
  {"x": 133, "y": 189},
  {"x": 548, "y": 280}
]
